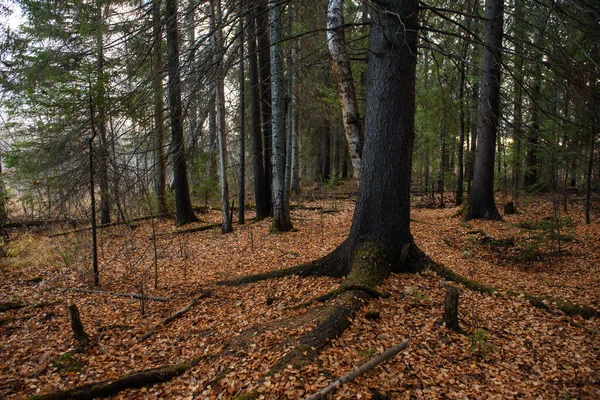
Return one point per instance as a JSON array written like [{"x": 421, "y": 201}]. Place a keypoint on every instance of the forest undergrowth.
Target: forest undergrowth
[{"x": 509, "y": 349}]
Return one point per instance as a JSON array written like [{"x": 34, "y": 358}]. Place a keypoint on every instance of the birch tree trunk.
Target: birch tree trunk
[
  {"x": 342, "y": 72},
  {"x": 281, "y": 202}
]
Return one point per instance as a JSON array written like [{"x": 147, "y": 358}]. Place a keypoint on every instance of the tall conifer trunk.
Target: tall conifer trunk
[
  {"x": 481, "y": 198},
  {"x": 184, "y": 213}
]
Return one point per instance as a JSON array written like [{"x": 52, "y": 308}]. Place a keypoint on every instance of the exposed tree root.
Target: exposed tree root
[
  {"x": 175, "y": 315},
  {"x": 131, "y": 381},
  {"x": 301, "y": 270},
  {"x": 542, "y": 302},
  {"x": 131, "y": 295},
  {"x": 337, "y": 320},
  {"x": 165, "y": 373},
  {"x": 11, "y": 305}
]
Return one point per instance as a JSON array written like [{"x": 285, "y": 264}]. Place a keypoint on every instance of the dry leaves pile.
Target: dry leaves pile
[{"x": 510, "y": 349}]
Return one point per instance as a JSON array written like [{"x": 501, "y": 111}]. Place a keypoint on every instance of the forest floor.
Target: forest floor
[{"x": 509, "y": 349}]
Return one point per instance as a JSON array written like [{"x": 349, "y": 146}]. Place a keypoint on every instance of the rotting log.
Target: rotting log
[
  {"x": 175, "y": 315},
  {"x": 541, "y": 302},
  {"x": 130, "y": 295},
  {"x": 366, "y": 367}
]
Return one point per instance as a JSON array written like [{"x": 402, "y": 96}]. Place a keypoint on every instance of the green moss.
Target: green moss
[{"x": 253, "y": 395}]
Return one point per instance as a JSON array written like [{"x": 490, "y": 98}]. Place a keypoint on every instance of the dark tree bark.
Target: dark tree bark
[
  {"x": 382, "y": 211},
  {"x": 263, "y": 207},
  {"x": 160, "y": 174},
  {"x": 184, "y": 213},
  {"x": 101, "y": 120},
  {"x": 324, "y": 170},
  {"x": 481, "y": 198},
  {"x": 264, "y": 65}
]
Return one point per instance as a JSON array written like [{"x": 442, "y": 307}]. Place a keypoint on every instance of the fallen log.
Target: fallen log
[
  {"x": 369, "y": 365},
  {"x": 131, "y": 295},
  {"x": 175, "y": 315}
]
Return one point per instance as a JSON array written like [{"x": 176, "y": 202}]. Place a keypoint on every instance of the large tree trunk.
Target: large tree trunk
[
  {"x": 184, "y": 213},
  {"x": 281, "y": 202},
  {"x": 160, "y": 174},
  {"x": 481, "y": 198},
  {"x": 263, "y": 207},
  {"x": 382, "y": 211},
  {"x": 264, "y": 65},
  {"x": 342, "y": 72}
]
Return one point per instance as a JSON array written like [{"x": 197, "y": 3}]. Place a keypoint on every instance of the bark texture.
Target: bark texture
[
  {"x": 281, "y": 202},
  {"x": 342, "y": 72},
  {"x": 260, "y": 185},
  {"x": 183, "y": 202},
  {"x": 481, "y": 198}
]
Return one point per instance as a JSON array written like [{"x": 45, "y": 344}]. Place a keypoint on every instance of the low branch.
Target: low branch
[
  {"x": 131, "y": 295},
  {"x": 175, "y": 315},
  {"x": 369, "y": 365}
]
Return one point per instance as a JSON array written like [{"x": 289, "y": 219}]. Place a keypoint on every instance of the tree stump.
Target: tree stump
[
  {"x": 510, "y": 208},
  {"x": 78, "y": 332},
  {"x": 450, "y": 318}
]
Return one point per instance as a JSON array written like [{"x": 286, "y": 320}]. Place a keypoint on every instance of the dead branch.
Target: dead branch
[
  {"x": 131, "y": 295},
  {"x": 369, "y": 365},
  {"x": 175, "y": 315}
]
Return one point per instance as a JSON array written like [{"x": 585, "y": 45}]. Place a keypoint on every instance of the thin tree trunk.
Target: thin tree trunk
[
  {"x": 342, "y": 72},
  {"x": 281, "y": 202},
  {"x": 220, "y": 114},
  {"x": 590, "y": 169},
  {"x": 160, "y": 174},
  {"x": 242, "y": 177},
  {"x": 101, "y": 120},
  {"x": 184, "y": 213}
]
